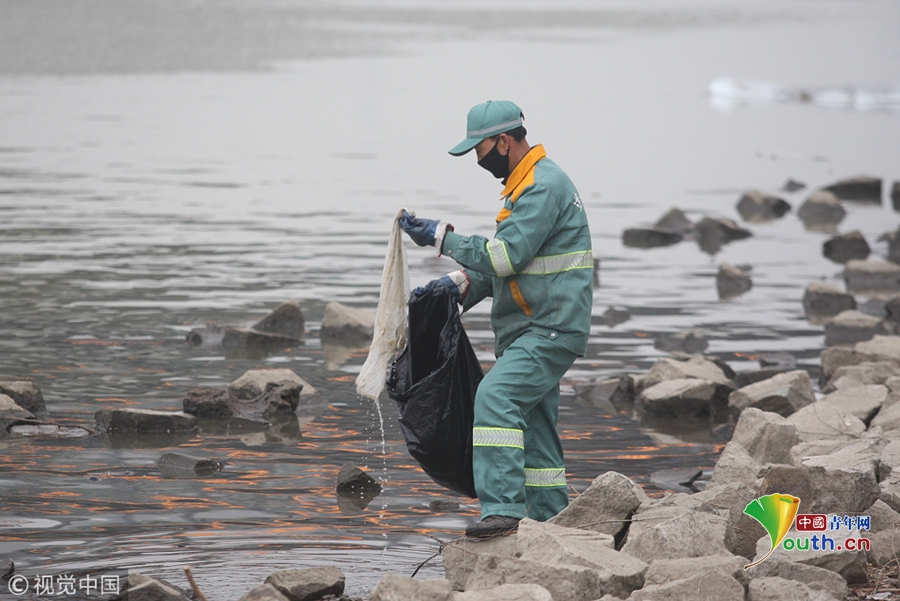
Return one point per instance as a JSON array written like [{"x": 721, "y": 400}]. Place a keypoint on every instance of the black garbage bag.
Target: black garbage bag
[{"x": 434, "y": 382}]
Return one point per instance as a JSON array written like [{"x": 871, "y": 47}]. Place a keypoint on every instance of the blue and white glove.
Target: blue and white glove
[
  {"x": 424, "y": 232},
  {"x": 457, "y": 282}
]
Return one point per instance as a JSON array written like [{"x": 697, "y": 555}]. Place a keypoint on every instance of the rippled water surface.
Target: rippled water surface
[{"x": 167, "y": 165}]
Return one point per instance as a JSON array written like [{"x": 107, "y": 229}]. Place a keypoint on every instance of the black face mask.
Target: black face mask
[{"x": 496, "y": 163}]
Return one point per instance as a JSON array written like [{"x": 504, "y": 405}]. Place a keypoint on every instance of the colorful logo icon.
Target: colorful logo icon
[{"x": 776, "y": 513}]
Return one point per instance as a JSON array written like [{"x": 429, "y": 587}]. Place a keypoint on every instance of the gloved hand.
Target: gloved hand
[
  {"x": 457, "y": 282},
  {"x": 420, "y": 230}
]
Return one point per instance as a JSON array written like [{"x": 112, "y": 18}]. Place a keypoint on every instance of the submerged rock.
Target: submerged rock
[
  {"x": 822, "y": 301},
  {"x": 732, "y": 282},
  {"x": 792, "y": 185},
  {"x": 859, "y": 189},
  {"x": 176, "y": 465},
  {"x": 675, "y": 221},
  {"x": 352, "y": 478},
  {"x": 144, "y": 421},
  {"x": 846, "y": 247},
  {"x": 757, "y": 206},
  {"x": 650, "y": 237},
  {"x": 26, "y": 394},
  {"x": 613, "y": 317},
  {"x": 308, "y": 584},
  {"x": 864, "y": 277},
  {"x": 286, "y": 320},
  {"x": 850, "y": 327},
  {"x": 821, "y": 211},
  {"x": 687, "y": 342},
  {"x": 7, "y": 569},
  {"x": 244, "y": 343},
  {"x": 347, "y": 323},
  {"x": 11, "y": 414},
  {"x": 712, "y": 234}
]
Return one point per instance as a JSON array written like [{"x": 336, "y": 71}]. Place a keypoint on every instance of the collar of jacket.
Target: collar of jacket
[{"x": 521, "y": 177}]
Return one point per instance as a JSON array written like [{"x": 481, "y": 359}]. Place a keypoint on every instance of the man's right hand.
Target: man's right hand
[{"x": 420, "y": 230}]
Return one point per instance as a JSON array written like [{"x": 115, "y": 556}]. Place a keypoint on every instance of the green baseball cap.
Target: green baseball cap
[{"x": 488, "y": 119}]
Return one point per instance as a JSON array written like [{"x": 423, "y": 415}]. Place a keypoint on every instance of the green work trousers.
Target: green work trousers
[{"x": 517, "y": 454}]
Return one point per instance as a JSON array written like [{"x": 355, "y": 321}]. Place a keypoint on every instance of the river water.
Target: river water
[{"x": 165, "y": 165}]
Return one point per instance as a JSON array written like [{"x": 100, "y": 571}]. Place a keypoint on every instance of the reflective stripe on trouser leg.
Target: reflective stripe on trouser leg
[
  {"x": 545, "y": 477},
  {"x": 544, "y": 452},
  {"x": 520, "y": 393}
]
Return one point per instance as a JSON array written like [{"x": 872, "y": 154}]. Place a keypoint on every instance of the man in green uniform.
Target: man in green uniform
[{"x": 539, "y": 270}]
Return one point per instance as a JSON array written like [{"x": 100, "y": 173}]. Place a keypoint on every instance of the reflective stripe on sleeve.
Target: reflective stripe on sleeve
[
  {"x": 582, "y": 259},
  {"x": 550, "y": 477},
  {"x": 499, "y": 258},
  {"x": 498, "y": 437}
]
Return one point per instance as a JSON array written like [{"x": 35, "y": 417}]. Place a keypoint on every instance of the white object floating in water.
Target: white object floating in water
[
  {"x": 389, "y": 336},
  {"x": 726, "y": 94}
]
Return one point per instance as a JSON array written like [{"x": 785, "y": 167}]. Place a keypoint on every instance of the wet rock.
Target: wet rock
[
  {"x": 695, "y": 367},
  {"x": 756, "y": 206},
  {"x": 731, "y": 282},
  {"x": 12, "y": 414},
  {"x": 25, "y": 394},
  {"x": 650, "y": 237},
  {"x": 860, "y": 401},
  {"x": 555, "y": 545},
  {"x": 877, "y": 372},
  {"x": 884, "y": 547},
  {"x": 48, "y": 431},
  {"x": 7, "y": 569},
  {"x": 817, "y": 579},
  {"x": 278, "y": 400},
  {"x": 783, "y": 394},
  {"x": 392, "y": 587},
  {"x": 676, "y": 479},
  {"x": 507, "y": 592},
  {"x": 821, "y": 211},
  {"x": 266, "y": 592},
  {"x": 673, "y": 532},
  {"x": 461, "y": 556},
  {"x": 879, "y": 348},
  {"x": 859, "y": 189},
  {"x": 308, "y": 584},
  {"x": 606, "y": 506},
  {"x": 663, "y": 571},
  {"x": 846, "y": 247},
  {"x": 347, "y": 323},
  {"x": 767, "y": 437},
  {"x": 208, "y": 403},
  {"x": 245, "y": 343},
  {"x": 709, "y": 585},
  {"x": 683, "y": 397},
  {"x": 675, "y": 221},
  {"x": 872, "y": 277},
  {"x": 271, "y": 391},
  {"x": 849, "y": 564},
  {"x": 883, "y": 517},
  {"x": 286, "y": 320},
  {"x": 610, "y": 394},
  {"x": 712, "y": 234},
  {"x": 685, "y": 342},
  {"x": 824, "y": 420},
  {"x": 822, "y": 301},
  {"x": 176, "y": 465},
  {"x": 778, "y": 589},
  {"x": 138, "y": 587},
  {"x": 613, "y": 317},
  {"x": 735, "y": 464},
  {"x": 850, "y": 327},
  {"x": 438, "y": 506},
  {"x": 895, "y": 195},
  {"x": 144, "y": 421},
  {"x": 569, "y": 582},
  {"x": 792, "y": 185},
  {"x": 207, "y": 336},
  {"x": 351, "y": 478}
]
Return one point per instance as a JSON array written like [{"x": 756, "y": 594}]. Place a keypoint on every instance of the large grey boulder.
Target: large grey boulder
[
  {"x": 606, "y": 506},
  {"x": 872, "y": 277},
  {"x": 731, "y": 282},
  {"x": 711, "y": 234},
  {"x": 696, "y": 366},
  {"x": 879, "y": 348},
  {"x": 850, "y": 327},
  {"x": 564, "y": 582},
  {"x": 779, "y": 589},
  {"x": 548, "y": 544},
  {"x": 860, "y": 189},
  {"x": 877, "y": 372},
  {"x": 883, "y": 517},
  {"x": 663, "y": 571},
  {"x": 347, "y": 323},
  {"x": 823, "y": 301},
  {"x": 308, "y": 584},
  {"x": 144, "y": 421},
  {"x": 735, "y": 464},
  {"x": 285, "y": 320},
  {"x": 860, "y": 401},
  {"x": 683, "y": 397},
  {"x": 884, "y": 547},
  {"x": 673, "y": 532},
  {"x": 888, "y": 418},
  {"x": 818, "y": 579},
  {"x": 825, "y": 420},
  {"x": 783, "y": 394},
  {"x": 710, "y": 585},
  {"x": 11, "y": 414},
  {"x": 392, "y": 587},
  {"x": 265, "y": 592},
  {"x": 26, "y": 394},
  {"x": 139, "y": 587},
  {"x": 650, "y": 237},
  {"x": 507, "y": 592},
  {"x": 757, "y": 206},
  {"x": 246, "y": 343},
  {"x": 767, "y": 436},
  {"x": 830, "y": 556},
  {"x": 821, "y": 211},
  {"x": 461, "y": 555},
  {"x": 846, "y": 247},
  {"x": 176, "y": 465},
  {"x": 889, "y": 461}
]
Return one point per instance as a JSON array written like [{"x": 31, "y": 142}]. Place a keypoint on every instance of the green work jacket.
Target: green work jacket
[{"x": 538, "y": 267}]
